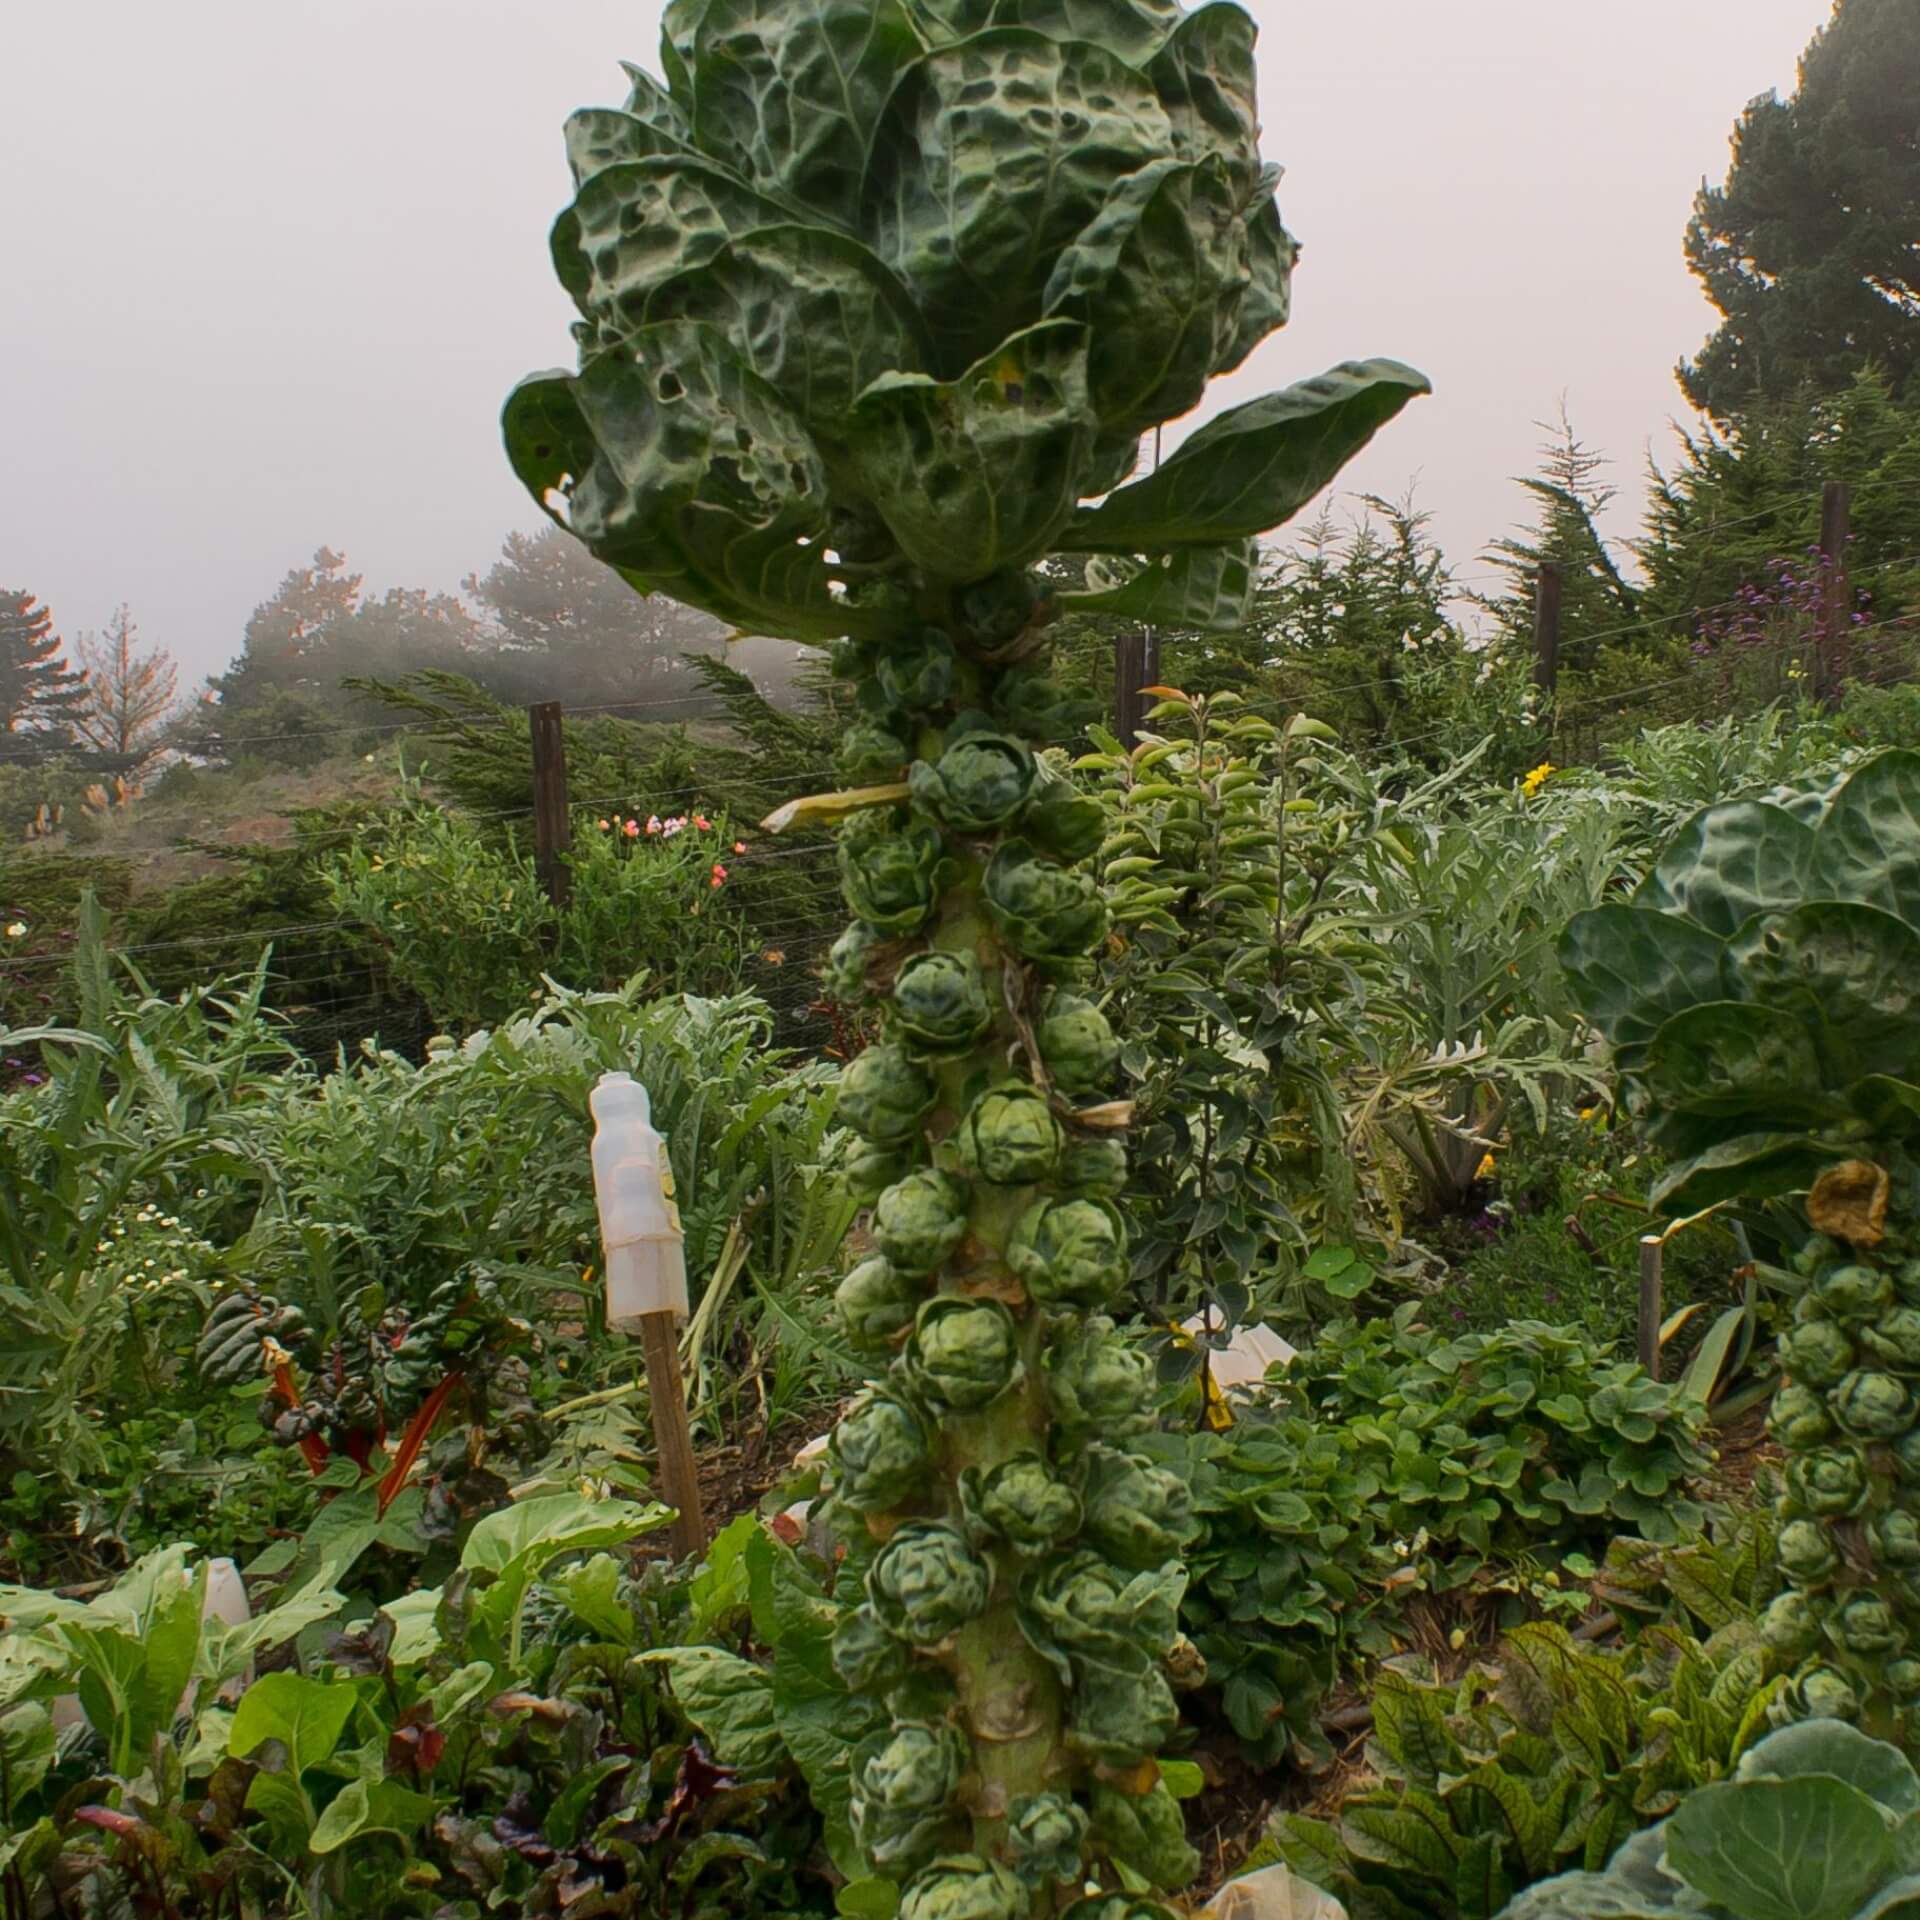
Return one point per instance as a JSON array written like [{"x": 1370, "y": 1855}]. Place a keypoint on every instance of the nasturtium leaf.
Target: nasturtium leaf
[
  {"x": 1850, "y": 971},
  {"x": 993, "y": 155},
  {"x": 603, "y": 137},
  {"x": 1204, "y": 76},
  {"x": 979, "y": 474},
  {"x": 1632, "y": 969},
  {"x": 1727, "y": 1058},
  {"x": 1199, "y": 590},
  {"x": 790, "y": 95},
  {"x": 1252, "y": 467},
  {"x": 1134, "y": 29},
  {"x": 1811, "y": 1848},
  {"x": 1867, "y": 843},
  {"x": 1729, "y": 863},
  {"x": 1158, "y": 276},
  {"x": 679, "y": 466}
]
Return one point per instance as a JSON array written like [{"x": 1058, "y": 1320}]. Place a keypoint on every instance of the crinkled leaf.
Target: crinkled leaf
[
  {"x": 1410, "y": 1722},
  {"x": 1158, "y": 276},
  {"x": 1268, "y": 301},
  {"x": 980, "y": 473},
  {"x": 1134, "y": 29},
  {"x": 603, "y": 137},
  {"x": 1632, "y": 970},
  {"x": 1729, "y": 863},
  {"x": 1811, "y": 1848},
  {"x": 1752, "y": 1165},
  {"x": 1880, "y": 1771},
  {"x": 1867, "y": 845},
  {"x": 1254, "y": 466},
  {"x": 994, "y": 154},
  {"x": 1729, "y": 1058},
  {"x": 1204, "y": 76},
  {"x": 790, "y": 96},
  {"x": 1198, "y": 590},
  {"x": 1146, "y": 1832},
  {"x": 730, "y": 1700}
]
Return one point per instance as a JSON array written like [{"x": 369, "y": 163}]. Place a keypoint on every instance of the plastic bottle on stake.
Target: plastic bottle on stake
[{"x": 639, "y": 1224}]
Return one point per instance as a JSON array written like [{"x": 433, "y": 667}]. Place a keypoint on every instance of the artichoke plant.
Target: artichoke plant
[
  {"x": 1759, "y": 994},
  {"x": 877, "y": 301}
]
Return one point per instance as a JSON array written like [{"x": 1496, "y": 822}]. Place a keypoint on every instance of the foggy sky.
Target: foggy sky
[{"x": 268, "y": 270}]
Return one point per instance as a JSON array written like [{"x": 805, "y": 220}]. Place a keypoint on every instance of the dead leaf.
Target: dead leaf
[{"x": 1850, "y": 1202}]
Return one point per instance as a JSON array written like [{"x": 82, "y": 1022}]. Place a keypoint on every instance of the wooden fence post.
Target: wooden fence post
[
  {"x": 673, "y": 1441},
  {"x": 1136, "y": 664},
  {"x": 552, "y": 824},
  {"x": 1652, "y": 1258},
  {"x": 1548, "y": 587},
  {"x": 1829, "y": 656}
]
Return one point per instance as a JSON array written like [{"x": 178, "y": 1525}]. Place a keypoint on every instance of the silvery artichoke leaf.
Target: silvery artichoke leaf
[
  {"x": 1134, "y": 29},
  {"x": 1198, "y": 590},
  {"x": 788, "y": 95},
  {"x": 980, "y": 473},
  {"x": 1254, "y": 466},
  {"x": 636, "y": 224},
  {"x": 813, "y": 312},
  {"x": 995, "y": 153},
  {"x": 673, "y": 462},
  {"x": 1158, "y": 276}
]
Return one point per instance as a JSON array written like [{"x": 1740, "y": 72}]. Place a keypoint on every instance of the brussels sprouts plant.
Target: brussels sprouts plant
[
  {"x": 877, "y": 300},
  {"x": 1758, "y": 994}
]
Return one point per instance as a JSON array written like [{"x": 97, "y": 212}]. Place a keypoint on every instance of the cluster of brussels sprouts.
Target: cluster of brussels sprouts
[
  {"x": 1021, "y": 1610},
  {"x": 1848, "y": 1420}
]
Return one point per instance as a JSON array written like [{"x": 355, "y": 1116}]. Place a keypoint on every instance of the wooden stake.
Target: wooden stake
[
  {"x": 1136, "y": 664},
  {"x": 552, "y": 823},
  {"x": 1829, "y": 657},
  {"x": 1548, "y": 589},
  {"x": 673, "y": 1442},
  {"x": 1652, "y": 1258}
]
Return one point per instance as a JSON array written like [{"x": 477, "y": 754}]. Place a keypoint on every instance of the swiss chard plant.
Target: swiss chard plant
[
  {"x": 1758, "y": 994},
  {"x": 877, "y": 299}
]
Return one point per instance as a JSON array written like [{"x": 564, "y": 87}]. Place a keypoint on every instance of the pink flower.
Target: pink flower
[
  {"x": 632, "y": 829},
  {"x": 606, "y": 826},
  {"x": 719, "y": 875},
  {"x": 739, "y": 846},
  {"x": 701, "y": 821},
  {"x": 653, "y": 823}
]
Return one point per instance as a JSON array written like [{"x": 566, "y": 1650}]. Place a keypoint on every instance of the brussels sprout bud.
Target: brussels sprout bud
[
  {"x": 1096, "y": 1168},
  {"x": 1907, "y": 1281},
  {"x": 887, "y": 872},
  {"x": 1903, "y": 1680},
  {"x": 1806, "y": 1554},
  {"x": 1010, "y": 1137},
  {"x": 1866, "y": 1625},
  {"x": 876, "y": 1303},
  {"x": 903, "y": 1782},
  {"x": 917, "y": 673},
  {"x": 966, "y": 1887},
  {"x": 1070, "y": 1253},
  {"x": 844, "y": 972},
  {"x": 979, "y": 783},
  {"x": 1816, "y": 1253},
  {"x": 1120, "y": 1717},
  {"x": 879, "y": 1453},
  {"x": 1895, "y": 1340},
  {"x": 1117, "y": 1906},
  {"x": 885, "y": 1095},
  {"x": 1097, "y": 1612},
  {"x": 1045, "y": 1834},
  {"x": 1815, "y": 1354},
  {"x": 1799, "y": 1417},
  {"x": 870, "y": 750},
  {"x": 870, "y": 1171},
  {"x": 1146, "y": 1832},
  {"x": 1021, "y": 1502},
  {"x": 1099, "y": 1384},
  {"x": 1036, "y": 708},
  {"x": 1896, "y": 1538},
  {"x": 864, "y": 1654},
  {"x": 1044, "y": 911},
  {"x": 1138, "y": 1515},
  {"x": 920, "y": 1220},
  {"x": 964, "y": 1354},
  {"x": 1855, "y": 1293},
  {"x": 1000, "y": 608},
  {"x": 1824, "y": 1694},
  {"x": 1906, "y": 1456},
  {"x": 926, "y": 1583},
  {"x": 1872, "y": 1406},
  {"x": 1828, "y": 1481},
  {"x": 1791, "y": 1625},
  {"x": 1061, "y": 820},
  {"x": 1076, "y": 1043},
  {"x": 940, "y": 1003}
]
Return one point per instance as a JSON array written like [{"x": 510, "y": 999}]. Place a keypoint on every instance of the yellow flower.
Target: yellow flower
[
  {"x": 1485, "y": 1170},
  {"x": 1537, "y": 779},
  {"x": 16, "y": 929}
]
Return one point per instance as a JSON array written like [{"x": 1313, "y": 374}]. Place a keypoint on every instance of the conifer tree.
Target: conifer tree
[{"x": 39, "y": 692}]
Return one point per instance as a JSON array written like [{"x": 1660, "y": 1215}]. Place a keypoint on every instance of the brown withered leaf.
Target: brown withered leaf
[{"x": 1850, "y": 1203}]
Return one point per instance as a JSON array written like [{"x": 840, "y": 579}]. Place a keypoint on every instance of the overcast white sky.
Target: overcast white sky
[{"x": 268, "y": 269}]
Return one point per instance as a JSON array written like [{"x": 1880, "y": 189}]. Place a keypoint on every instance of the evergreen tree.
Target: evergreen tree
[
  {"x": 1812, "y": 247},
  {"x": 39, "y": 693},
  {"x": 130, "y": 693}
]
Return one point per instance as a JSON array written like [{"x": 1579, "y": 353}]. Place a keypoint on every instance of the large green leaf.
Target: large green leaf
[
  {"x": 789, "y": 95},
  {"x": 516, "y": 1542},
  {"x": 994, "y": 155},
  {"x": 1867, "y": 845},
  {"x": 685, "y": 470},
  {"x": 1253, "y": 467},
  {"x": 1729, "y": 863},
  {"x": 815, "y": 314},
  {"x": 637, "y": 223},
  {"x": 1879, "y": 1770},
  {"x": 1727, "y": 1058},
  {"x": 1268, "y": 300},
  {"x": 1205, "y": 80},
  {"x": 730, "y": 1700},
  {"x": 306, "y": 1716},
  {"x": 1811, "y": 1848},
  {"x": 979, "y": 473},
  {"x": 27, "y": 1746},
  {"x": 1850, "y": 972},
  {"x": 1158, "y": 277},
  {"x": 1754, "y": 1166},
  {"x": 1134, "y": 29},
  {"x": 648, "y": 100},
  {"x": 603, "y": 137},
  {"x": 1632, "y": 970},
  {"x": 1199, "y": 590}
]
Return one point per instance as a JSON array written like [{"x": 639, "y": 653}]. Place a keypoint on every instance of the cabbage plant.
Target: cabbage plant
[
  {"x": 877, "y": 300},
  {"x": 1759, "y": 994}
]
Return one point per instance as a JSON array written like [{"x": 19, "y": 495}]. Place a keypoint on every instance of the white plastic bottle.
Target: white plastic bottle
[{"x": 639, "y": 1224}]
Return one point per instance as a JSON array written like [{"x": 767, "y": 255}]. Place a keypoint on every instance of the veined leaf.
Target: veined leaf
[
  {"x": 1632, "y": 970},
  {"x": 1811, "y": 1848},
  {"x": 1134, "y": 29},
  {"x": 1268, "y": 301},
  {"x": 603, "y": 137},
  {"x": 1205, "y": 79},
  {"x": 1753, "y": 1166},
  {"x": 1253, "y": 467},
  {"x": 1200, "y": 590},
  {"x": 1729, "y": 863},
  {"x": 1727, "y": 1058},
  {"x": 1867, "y": 844}
]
